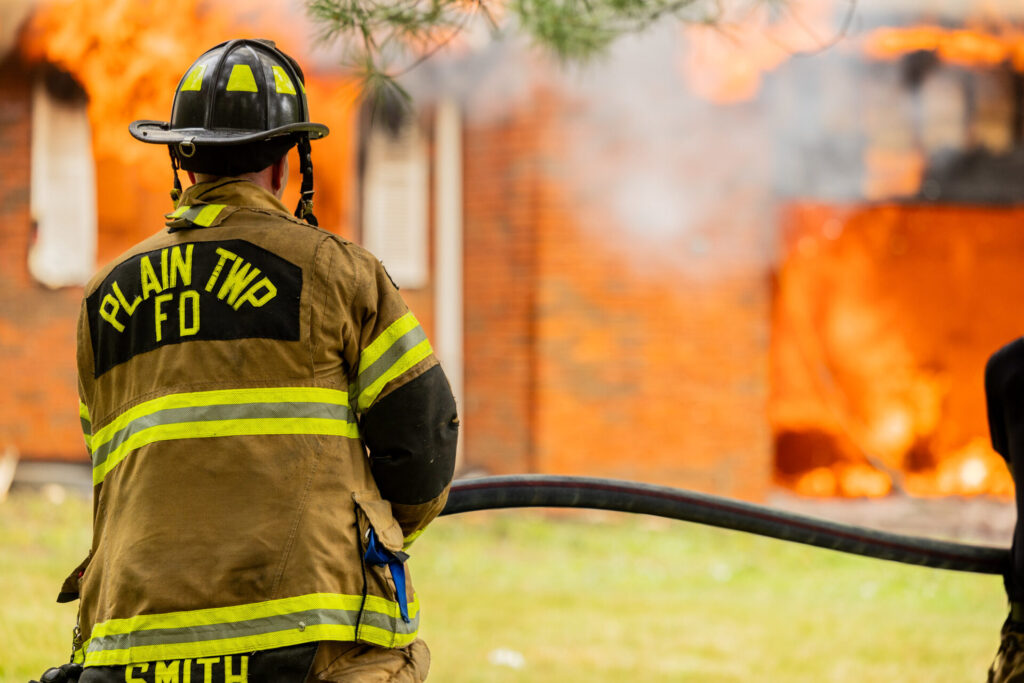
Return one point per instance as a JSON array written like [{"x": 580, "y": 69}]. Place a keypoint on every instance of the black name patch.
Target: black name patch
[
  {"x": 229, "y": 669},
  {"x": 189, "y": 292}
]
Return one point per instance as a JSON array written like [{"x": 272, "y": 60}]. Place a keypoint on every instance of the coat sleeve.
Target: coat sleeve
[
  {"x": 411, "y": 435},
  {"x": 407, "y": 414}
]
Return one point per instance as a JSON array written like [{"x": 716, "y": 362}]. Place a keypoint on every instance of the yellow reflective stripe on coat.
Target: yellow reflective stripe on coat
[
  {"x": 397, "y": 350},
  {"x": 177, "y": 212},
  {"x": 83, "y": 416},
  {"x": 207, "y": 215},
  {"x": 256, "y": 626},
  {"x": 411, "y": 538},
  {"x": 203, "y": 215},
  {"x": 225, "y": 412}
]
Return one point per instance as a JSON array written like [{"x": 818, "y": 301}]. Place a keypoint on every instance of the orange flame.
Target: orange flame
[
  {"x": 850, "y": 480},
  {"x": 972, "y": 470},
  {"x": 725, "y": 62},
  {"x": 879, "y": 345},
  {"x": 965, "y": 47}
]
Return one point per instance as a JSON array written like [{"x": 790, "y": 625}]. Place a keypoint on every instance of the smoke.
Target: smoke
[{"x": 681, "y": 142}]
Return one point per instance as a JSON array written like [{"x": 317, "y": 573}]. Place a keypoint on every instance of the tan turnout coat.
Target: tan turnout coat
[{"x": 223, "y": 363}]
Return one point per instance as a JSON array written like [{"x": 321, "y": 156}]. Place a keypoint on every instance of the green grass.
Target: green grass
[
  {"x": 599, "y": 598},
  {"x": 627, "y": 598},
  {"x": 40, "y": 543}
]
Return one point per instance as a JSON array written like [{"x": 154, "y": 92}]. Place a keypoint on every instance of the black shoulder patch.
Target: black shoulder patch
[{"x": 190, "y": 292}]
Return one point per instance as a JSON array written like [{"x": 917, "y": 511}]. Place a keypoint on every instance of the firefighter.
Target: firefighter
[
  {"x": 1004, "y": 393},
  {"x": 269, "y": 427}
]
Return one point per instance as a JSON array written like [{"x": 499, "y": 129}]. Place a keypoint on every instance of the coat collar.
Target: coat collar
[{"x": 206, "y": 205}]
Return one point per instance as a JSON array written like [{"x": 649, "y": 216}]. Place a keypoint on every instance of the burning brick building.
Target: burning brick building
[
  {"x": 730, "y": 263},
  {"x": 721, "y": 265}
]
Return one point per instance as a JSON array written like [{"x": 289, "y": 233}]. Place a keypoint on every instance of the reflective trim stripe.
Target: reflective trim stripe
[
  {"x": 83, "y": 416},
  {"x": 225, "y": 412},
  {"x": 256, "y": 626},
  {"x": 405, "y": 363},
  {"x": 387, "y": 338},
  {"x": 203, "y": 215},
  {"x": 411, "y": 538},
  {"x": 400, "y": 347},
  {"x": 241, "y": 79},
  {"x": 194, "y": 80},
  {"x": 282, "y": 82},
  {"x": 206, "y": 215}
]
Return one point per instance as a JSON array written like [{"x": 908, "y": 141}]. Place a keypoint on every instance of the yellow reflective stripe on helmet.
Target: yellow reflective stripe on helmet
[
  {"x": 241, "y": 79},
  {"x": 282, "y": 82},
  {"x": 225, "y": 412},
  {"x": 194, "y": 80},
  {"x": 255, "y": 626}
]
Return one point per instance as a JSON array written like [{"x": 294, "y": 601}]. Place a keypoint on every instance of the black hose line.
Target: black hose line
[{"x": 491, "y": 493}]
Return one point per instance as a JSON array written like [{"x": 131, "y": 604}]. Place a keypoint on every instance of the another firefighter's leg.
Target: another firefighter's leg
[{"x": 1004, "y": 393}]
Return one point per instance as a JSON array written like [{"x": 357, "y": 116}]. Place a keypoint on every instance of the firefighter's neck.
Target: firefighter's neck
[{"x": 273, "y": 178}]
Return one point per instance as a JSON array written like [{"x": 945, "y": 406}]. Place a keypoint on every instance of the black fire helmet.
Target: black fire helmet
[{"x": 238, "y": 108}]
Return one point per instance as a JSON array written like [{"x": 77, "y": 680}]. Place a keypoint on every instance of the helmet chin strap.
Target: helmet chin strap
[
  {"x": 304, "y": 209},
  {"x": 176, "y": 190}
]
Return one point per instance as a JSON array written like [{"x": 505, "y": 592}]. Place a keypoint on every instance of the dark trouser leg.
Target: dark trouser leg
[{"x": 1004, "y": 393}]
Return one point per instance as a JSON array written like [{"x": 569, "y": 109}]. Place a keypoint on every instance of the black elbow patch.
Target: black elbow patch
[{"x": 411, "y": 434}]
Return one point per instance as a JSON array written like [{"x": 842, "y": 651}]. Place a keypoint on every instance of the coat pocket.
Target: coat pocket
[
  {"x": 69, "y": 590},
  {"x": 384, "y": 567},
  {"x": 373, "y": 512}
]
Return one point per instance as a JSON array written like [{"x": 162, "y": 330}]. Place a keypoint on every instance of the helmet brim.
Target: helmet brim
[{"x": 161, "y": 133}]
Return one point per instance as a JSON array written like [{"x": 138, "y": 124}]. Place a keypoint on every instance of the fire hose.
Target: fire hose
[{"x": 521, "y": 491}]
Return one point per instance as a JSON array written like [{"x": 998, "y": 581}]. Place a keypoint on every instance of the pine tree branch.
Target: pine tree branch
[{"x": 380, "y": 36}]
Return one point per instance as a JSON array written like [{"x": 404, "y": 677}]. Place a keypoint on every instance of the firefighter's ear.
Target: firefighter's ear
[
  {"x": 191, "y": 177},
  {"x": 279, "y": 176}
]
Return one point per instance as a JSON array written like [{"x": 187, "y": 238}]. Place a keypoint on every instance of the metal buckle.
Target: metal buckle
[{"x": 192, "y": 148}]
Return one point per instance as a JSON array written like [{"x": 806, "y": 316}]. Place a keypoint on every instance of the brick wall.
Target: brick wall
[
  {"x": 587, "y": 354},
  {"x": 39, "y": 399},
  {"x": 502, "y": 185}
]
